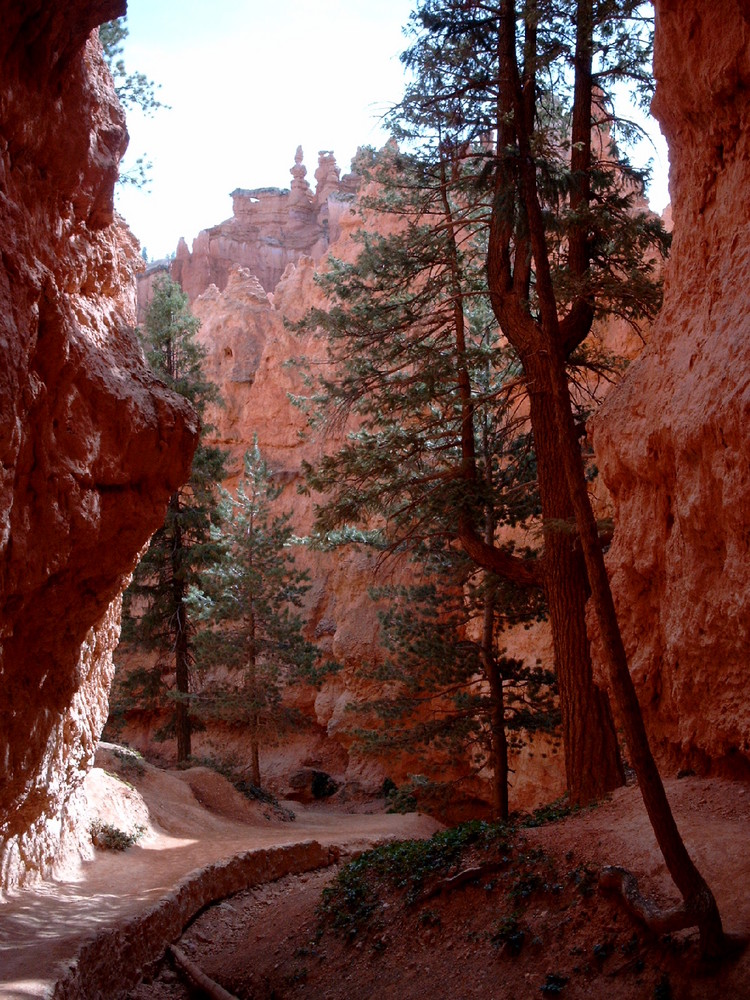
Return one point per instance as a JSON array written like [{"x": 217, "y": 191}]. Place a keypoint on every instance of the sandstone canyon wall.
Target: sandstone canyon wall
[
  {"x": 672, "y": 441},
  {"x": 91, "y": 445},
  {"x": 270, "y": 228}
]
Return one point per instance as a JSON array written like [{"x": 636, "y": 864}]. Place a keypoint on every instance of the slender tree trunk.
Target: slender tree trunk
[
  {"x": 492, "y": 672},
  {"x": 254, "y": 751},
  {"x": 181, "y": 647},
  {"x": 542, "y": 347},
  {"x": 252, "y": 687},
  {"x": 498, "y": 737},
  {"x": 699, "y": 901},
  {"x": 182, "y": 709},
  {"x": 592, "y": 758}
]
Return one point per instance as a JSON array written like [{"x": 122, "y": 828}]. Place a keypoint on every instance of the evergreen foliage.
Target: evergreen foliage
[
  {"x": 440, "y": 438},
  {"x": 515, "y": 97},
  {"x": 253, "y": 595},
  {"x": 566, "y": 242},
  {"x": 156, "y": 613},
  {"x": 441, "y": 685},
  {"x": 134, "y": 90}
]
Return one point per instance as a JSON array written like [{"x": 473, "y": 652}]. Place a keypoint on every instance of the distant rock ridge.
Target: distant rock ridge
[{"x": 270, "y": 228}]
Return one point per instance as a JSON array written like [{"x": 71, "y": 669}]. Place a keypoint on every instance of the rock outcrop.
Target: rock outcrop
[
  {"x": 91, "y": 444},
  {"x": 270, "y": 228},
  {"x": 672, "y": 441}
]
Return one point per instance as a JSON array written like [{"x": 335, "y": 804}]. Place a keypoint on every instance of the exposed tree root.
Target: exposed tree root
[
  {"x": 659, "y": 921},
  {"x": 462, "y": 878},
  {"x": 197, "y": 977}
]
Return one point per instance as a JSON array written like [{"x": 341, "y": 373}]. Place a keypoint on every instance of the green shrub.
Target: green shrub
[{"x": 106, "y": 837}]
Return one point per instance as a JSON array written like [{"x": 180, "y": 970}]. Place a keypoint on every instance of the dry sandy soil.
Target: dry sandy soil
[
  {"x": 272, "y": 943},
  {"x": 531, "y": 924}
]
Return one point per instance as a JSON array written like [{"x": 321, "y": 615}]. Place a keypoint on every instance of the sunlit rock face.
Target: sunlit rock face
[
  {"x": 270, "y": 229},
  {"x": 91, "y": 445},
  {"x": 673, "y": 442}
]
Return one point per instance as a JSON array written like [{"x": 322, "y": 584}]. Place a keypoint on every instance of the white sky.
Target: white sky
[{"x": 249, "y": 80}]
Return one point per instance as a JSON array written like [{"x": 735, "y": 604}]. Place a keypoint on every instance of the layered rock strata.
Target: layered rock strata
[
  {"x": 270, "y": 228},
  {"x": 672, "y": 441},
  {"x": 91, "y": 444}
]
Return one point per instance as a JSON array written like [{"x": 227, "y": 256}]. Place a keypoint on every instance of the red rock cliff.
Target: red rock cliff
[
  {"x": 91, "y": 445},
  {"x": 673, "y": 440}
]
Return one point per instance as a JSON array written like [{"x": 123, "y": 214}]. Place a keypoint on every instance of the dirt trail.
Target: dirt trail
[
  {"x": 269, "y": 943},
  {"x": 43, "y": 929}
]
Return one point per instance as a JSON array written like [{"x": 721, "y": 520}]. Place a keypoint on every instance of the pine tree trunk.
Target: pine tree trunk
[
  {"x": 181, "y": 646},
  {"x": 251, "y": 681},
  {"x": 254, "y": 752},
  {"x": 592, "y": 758},
  {"x": 498, "y": 738},
  {"x": 698, "y": 899},
  {"x": 182, "y": 709}
]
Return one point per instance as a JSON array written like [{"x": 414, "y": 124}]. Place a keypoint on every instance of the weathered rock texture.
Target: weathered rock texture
[
  {"x": 91, "y": 445},
  {"x": 270, "y": 228},
  {"x": 673, "y": 441}
]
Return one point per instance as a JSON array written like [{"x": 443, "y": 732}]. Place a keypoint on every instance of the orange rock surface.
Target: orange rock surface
[
  {"x": 91, "y": 445},
  {"x": 672, "y": 441}
]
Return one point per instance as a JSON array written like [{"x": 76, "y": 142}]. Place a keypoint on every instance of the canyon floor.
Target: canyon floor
[{"x": 525, "y": 919}]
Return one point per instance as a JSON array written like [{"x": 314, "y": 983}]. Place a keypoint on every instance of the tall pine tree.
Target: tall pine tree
[
  {"x": 524, "y": 84},
  {"x": 418, "y": 367},
  {"x": 156, "y": 612},
  {"x": 448, "y": 695},
  {"x": 252, "y": 598}
]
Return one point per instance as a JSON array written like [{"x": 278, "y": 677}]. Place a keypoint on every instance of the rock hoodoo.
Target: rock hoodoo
[
  {"x": 91, "y": 444},
  {"x": 673, "y": 441},
  {"x": 269, "y": 229}
]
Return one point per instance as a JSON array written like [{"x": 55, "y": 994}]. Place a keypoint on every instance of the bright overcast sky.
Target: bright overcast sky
[{"x": 247, "y": 81}]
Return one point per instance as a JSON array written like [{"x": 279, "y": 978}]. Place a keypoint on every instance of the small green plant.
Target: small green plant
[
  {"x": 584, "y": 878},
  {"x": 550, "y": 813},
  {"x": 354, "y": 897},
  {"x": 553, "y": 984},
  {"x": 509, "y": 934},
  {"x": 129, "y": 762},
  {"x": 429, "y": 918},
  {"x": 107, "y": 837}
]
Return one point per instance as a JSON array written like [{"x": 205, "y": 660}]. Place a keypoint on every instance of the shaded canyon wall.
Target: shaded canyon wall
[
  {"x": 673, "y": 441},
  {"x": 91, "y": 445}
]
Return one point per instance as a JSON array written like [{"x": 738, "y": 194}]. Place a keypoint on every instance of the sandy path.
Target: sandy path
[{"x": 42, "y": 929}]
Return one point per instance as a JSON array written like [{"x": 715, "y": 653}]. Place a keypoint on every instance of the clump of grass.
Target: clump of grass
[
  {"x": 509, "y": 934},
  {"x": 107, "y": 837},
  {"x": 550, "y": 813}
]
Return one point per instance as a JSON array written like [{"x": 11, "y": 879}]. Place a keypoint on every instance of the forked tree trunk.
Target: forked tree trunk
[{"x": 542, "y": 345}]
